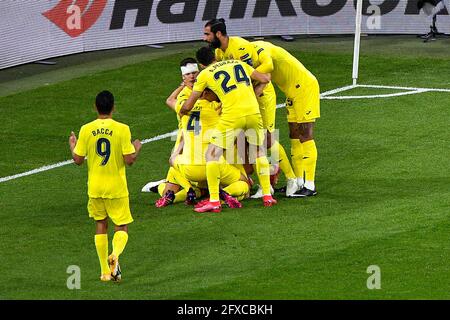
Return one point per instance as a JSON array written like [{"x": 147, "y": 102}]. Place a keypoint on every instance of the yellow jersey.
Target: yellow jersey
[
  {"x": 230, "y": 81},
  {"x": 244, "y": 50},
  {"x": 238, "y": 49},
  {"x": 288, "y": 73},
  {"x": 181, "y": 99},
  {"x": 197, "y": 127},
  {"x": 104, "y": 142}
]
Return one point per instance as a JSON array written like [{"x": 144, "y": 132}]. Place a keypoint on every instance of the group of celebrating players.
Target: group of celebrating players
[
  {"x": 226, "y": 126},
  {"x": 226, "y": 115}
]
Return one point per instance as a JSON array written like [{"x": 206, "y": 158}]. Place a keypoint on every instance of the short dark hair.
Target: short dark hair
[
  {"x": 217, "y": 25},
  {"x": 186, "y": 61},
  {"x": 104, "y": 102},
  {"x": 205, "y": 55}
]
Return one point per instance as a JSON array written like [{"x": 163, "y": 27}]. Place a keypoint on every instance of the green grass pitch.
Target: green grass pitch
[{"x": 383, "y": 178}]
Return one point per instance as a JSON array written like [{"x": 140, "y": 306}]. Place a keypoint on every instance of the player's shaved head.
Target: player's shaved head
[
  {"x": 205, "y": 55},
  {"x": 104, "y": 102}
]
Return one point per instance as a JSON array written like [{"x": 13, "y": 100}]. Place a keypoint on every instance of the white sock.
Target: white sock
[
  {"x": 300, "y": 182},
  {"x": 310, "y": 185}
]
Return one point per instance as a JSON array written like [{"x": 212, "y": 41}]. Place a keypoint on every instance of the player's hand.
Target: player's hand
[
  {"x": 137, "y": 145},
  {"x": 259, "y": 90},
  {"x": 72, "y": 140},
  {"x": 209, "y": 96}
]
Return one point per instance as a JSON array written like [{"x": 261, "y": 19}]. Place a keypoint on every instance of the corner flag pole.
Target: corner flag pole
[{"x": 357, "y": 41}]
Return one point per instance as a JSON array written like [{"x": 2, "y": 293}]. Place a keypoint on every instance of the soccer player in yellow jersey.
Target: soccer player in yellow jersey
[
  {"x": 198, "y": 126},
  {"x": 107, "y": 146},
  {"x": 190, "y": 166},
  {"x": 189, "y": 158},
  {"x": 237, "y": 48},
  {"x": 189, "y": 71},
  {"x": 171, "y": 193},
  {"x": 303, "y": 106},
  {"x": 230, "y": 81}
]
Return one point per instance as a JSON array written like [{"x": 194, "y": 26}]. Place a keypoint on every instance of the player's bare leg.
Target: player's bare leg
[
  {"x": 243, "y": 154},
  {"x": 279, "y": 156}
]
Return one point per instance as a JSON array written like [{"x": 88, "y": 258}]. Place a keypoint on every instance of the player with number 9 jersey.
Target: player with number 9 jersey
[
  {"x": 107, "y": 146},
  {"x": 104, "y": 142}
]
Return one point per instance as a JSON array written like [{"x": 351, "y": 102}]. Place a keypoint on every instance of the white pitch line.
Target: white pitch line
[
  {"x": 326, "y": 93},
  {"x": 374, "y": 96},
  {"x": 410, "y": 91},
  {"x": 400, "y": 88},
  {"x": 41, "y": 169},
  {"x": 337, "y": 90},
  {"x": 63, "y": 163},
  {"x": 159, "y": 137}
]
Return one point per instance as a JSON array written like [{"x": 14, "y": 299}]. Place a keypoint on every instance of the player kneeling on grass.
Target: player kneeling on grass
[
  {"x": 233, "y": 188},
  {"x": 188, "y": 193},
  {"x": 230, "y": 81},
  {"x": 189, "y": 71},
  {"x": 189, "y": 158},
  {"x": 107, "y": 145},
  {"x": 176, "y": 188}
]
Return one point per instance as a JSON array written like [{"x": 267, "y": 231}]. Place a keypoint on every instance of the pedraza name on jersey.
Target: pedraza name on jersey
[
  {"x": 221, "y": 63},
  {"x": 102, "y": 131}
]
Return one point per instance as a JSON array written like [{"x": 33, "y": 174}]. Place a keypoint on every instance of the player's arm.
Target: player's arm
[
  {"x": 171, "y": 101},
  {"x": 256, "y": 75},
  {"x": 259, "y": 88},
  {"x": 177, "y": 151},
  {"x": 209, "y": 95},
  {"x": 130, "y": 150},
  {"x": 263, "y": 78},
  {"x": 199, "y": 86},
  {"x": 189, "y": 104},
  {"x": 132, "y": 157},
  {"x": 73, "y": 143},
  {"x": 265, "y": 59}
]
